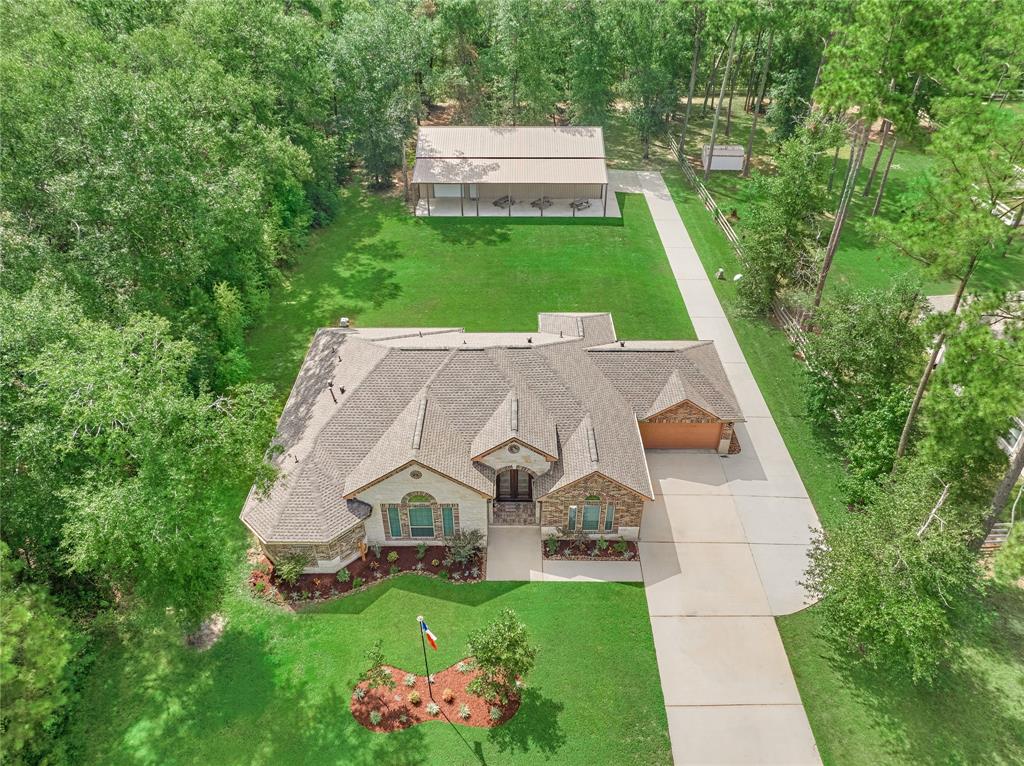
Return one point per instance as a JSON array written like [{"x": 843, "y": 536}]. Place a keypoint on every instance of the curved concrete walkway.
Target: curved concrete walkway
[{"x": 724, "y": 545}]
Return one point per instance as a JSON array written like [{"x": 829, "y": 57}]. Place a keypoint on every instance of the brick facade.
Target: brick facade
[
  {"x": 629, "y": 505},
  {"x": 345, "y": 544}
]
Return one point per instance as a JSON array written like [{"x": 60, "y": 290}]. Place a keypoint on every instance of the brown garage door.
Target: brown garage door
[{"x": 680, "y": 435}]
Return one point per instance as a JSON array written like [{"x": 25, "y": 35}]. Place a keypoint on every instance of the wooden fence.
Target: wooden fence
[
  {"x": 793, "y": 321},
  {"x": 706, "y": 198}
]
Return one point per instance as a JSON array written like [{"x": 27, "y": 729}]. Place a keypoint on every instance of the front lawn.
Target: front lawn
[
  {"x": 382, "y": 267},
  {"x": 275, "y": 689}
]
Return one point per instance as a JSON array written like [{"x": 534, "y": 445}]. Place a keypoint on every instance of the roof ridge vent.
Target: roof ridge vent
[
  {"x": 579, "y": 327},
  {"x": 417, "y": 437},
  {"x": 592, "y": 442},
  {"x": 513, "y": 415}
]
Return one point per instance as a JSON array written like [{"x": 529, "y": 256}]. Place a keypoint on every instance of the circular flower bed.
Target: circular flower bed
[{"x": 381, "y": 709}]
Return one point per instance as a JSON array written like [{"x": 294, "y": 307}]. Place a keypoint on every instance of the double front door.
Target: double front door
[{"x": 514, "y": 486}]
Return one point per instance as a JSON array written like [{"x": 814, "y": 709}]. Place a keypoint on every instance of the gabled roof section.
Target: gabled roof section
[
  {"x": 522, "y": 418},
  {"x": 656, "y": 375}
]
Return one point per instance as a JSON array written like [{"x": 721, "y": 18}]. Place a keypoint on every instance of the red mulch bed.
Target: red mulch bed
[
  {"x": 316, "y": 587},
  {"x": 567, "y": 553},
  {"x": 392, "y": 704}
]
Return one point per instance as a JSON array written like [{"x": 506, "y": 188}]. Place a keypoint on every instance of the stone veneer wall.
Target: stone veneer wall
[
  {"x": 343, "y": 545},
  {"x": 403, "y": 519},
  {"x": 629, "y": 505}
]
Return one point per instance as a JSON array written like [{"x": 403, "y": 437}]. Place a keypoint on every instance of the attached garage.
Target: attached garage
[{"x": 680, "y": 435}]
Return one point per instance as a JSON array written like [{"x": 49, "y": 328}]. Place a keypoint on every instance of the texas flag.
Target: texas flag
[{"x": 431, "y": 638}]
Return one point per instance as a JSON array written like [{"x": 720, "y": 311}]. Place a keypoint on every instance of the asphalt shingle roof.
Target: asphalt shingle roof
[{"x": 424, "y": 395}]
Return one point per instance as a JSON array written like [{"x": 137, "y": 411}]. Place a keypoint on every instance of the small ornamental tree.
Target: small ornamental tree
[
  {"x": 502, "y": 654},
  {"x": 376, "y": 675}
]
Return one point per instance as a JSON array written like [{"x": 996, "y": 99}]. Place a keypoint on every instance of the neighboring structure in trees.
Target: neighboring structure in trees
[
  {"x": 509, "y": 171},
  {"x": 409, "y": 435}
]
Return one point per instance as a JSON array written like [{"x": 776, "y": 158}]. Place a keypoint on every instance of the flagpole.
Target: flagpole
[{"x": 423, "y": 641}]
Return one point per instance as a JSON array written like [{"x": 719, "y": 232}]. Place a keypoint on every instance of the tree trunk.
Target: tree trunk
[
  {"x": 752, "y": 74},
  {"x": 927, "y": 374},
  {"x": 885, "y": 177},
  {"x": 757, "y": 110},
  {"x": 718, "y": 106},
  {"x": 693, "y": 81},
  {"x": 732, "y": 87},
  {"x": 832, "y": 173},
  {"x": 1002, "y": 495},
  {"x": 405, "y": 173},
  {"x": 711, "y": 83},
  {"x": 1016, "y": 223},
  {"x": 844, "y": 204},
  {"x": 878, "y": 155}
]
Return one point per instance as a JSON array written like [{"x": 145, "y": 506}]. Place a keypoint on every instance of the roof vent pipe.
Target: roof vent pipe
[
  {"x": 330, "y": 387},
  {"x": 622, "y": 344}
]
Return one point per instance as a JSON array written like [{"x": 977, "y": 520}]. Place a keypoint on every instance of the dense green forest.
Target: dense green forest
[{"x": 164, "y": 161}]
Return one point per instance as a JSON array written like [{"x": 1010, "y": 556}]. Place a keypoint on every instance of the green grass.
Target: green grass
[
  {"x": 383, "y": 267},
  {"x": 974, "y": 715},
  {"x": 976, "y": 712},
  {"x": 275, "y": 689}
]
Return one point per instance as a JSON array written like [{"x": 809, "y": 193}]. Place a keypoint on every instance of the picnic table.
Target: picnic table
[
  {"x": 580, "y": 204},
  {"x": 504, "y": 202},
  {"x": 542, "y": 203}
]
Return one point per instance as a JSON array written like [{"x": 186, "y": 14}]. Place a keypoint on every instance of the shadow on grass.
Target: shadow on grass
[
  {"x": 230, "y": 705},
  {"x": 535, "y": 727},
  {"x": 468, "y": 594},
  {"x": 972, "y": 713}
]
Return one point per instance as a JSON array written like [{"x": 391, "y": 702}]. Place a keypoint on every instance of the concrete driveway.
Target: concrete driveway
[{"x": 724, "y": 546}]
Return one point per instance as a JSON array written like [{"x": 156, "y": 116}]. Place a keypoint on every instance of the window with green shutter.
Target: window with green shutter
[
  {"x": 421, "y": 521},
  {"x": 448, "y": 520},
  {"x": 572, "y": 517},
  {"x": 609, "y": 517},
  {"x": 394, "y": 522}
]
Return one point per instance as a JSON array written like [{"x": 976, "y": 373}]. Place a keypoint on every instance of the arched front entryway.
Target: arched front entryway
[
  {"x": 513, "y": 485},
  {"x": 513, "y": 498}
]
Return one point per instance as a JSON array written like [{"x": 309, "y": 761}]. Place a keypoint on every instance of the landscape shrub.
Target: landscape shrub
[{"x": 289, "y": 568}]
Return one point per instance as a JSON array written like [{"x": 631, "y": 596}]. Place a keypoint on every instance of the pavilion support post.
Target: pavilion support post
[
  {"x": 429, "y": 188},
  {"x": 572, "y": 202},
  {"x": 604, "y": 201},
  {"x": 478, "y": 202},
  {"x": 462, "y": 197},
  {"x": 509, "y": 188}
]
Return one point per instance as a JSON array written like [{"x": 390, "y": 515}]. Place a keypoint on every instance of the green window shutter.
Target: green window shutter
[
  {"x": 394, "y": 523},
  {"x": 421, "y": 521},
  {"x": 591, "y": 517},
  {"x": 609, "y": 517},
  {"x": 572, "y": 517},
  {"x": 448, "y": 520}
]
